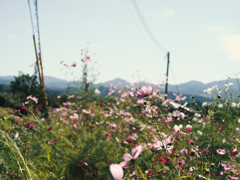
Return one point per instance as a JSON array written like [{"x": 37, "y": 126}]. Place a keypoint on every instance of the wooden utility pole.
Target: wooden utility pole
[
  {"x": 39, "y": 58},
  {"x": 166, "y": 86},
  {"x": 237, "y": 81}
]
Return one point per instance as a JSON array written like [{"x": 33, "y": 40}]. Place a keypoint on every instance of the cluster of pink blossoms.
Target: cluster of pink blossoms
[{"x": 116, "y": 169}]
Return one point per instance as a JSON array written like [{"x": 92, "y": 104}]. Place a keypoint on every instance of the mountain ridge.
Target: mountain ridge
[{"x": 192, "y": 87}]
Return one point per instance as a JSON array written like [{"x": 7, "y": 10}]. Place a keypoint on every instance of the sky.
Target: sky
[{"x": 203, "y": 38}]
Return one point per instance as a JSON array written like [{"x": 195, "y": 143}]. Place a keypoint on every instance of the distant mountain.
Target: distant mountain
[
  {"x": 52, "y": 82},
  {"x": 115, "y": 82},
  {"x": 5, "y": 80},
  {"x": 189, "y": 88}
]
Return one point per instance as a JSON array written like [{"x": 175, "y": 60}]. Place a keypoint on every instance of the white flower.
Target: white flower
[
  {"x": 239, "y": 121},
  {"x": 220, "y": 106},
  {"x": 177, "y": 128},
  {"x": 238, "y": 130},
  {"x": 204, "y": 103},
  {"x": 195, "y": 119},
  {"x": 97, "y": 91},
  {"x": 234, "y": 104},
  {"x": 224, "y": 140},
  {"x": 199, "y": 132},
  {"x": 188, "y": 126},
  {"x": 197, "y": 115},
  {"x": 16, "y": 136}
]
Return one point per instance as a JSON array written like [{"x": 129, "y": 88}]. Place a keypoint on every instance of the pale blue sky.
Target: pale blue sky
[{"x": 203, "y": 38}]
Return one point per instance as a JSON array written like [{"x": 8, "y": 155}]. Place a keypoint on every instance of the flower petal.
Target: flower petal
[
  {"x": 123, "y": 164},
  {"x": 116, "y": 171},
  {"x": 137, "y": 151},
  {"x": 127, "y": 157}
]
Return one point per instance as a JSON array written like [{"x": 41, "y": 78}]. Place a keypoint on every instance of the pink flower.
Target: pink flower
[
  {"x": 58, "y": 97},
  {"x": 101, "y": 104},
  {"x": 97, "y": 91},
  {"x": 144, "y": 92},
  {"x": 74, "y": 64},
  {"x": 86, "y": 111},
  {"x": 233, "y": 177},
  {"x": 70, "y": 96},
  {"x": 31, "y": 126},
  {"x": 221, "y": 151},
  {"x": 184, "y": 151},
  {"x": 88, "y": 58},
  {"x": 116, "y": 171},
  {"x": 53, "y": 142},
  {"x": 50, "y": 128},
  {"x": 134, "y": 155},
  {"x": 234, "y": 152},
  {"x": 108, "y": 134}
]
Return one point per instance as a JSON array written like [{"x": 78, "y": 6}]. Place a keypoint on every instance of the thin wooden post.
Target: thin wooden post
[{"x": 166, "y": 87}]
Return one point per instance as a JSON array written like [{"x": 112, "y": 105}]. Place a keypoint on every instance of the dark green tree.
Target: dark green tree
[{"x": 25, "y": 85}]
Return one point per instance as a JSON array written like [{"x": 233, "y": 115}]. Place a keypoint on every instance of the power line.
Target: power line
[
  {"x": 143, "y": 36},
  {"x": 30, "y": 15},
  {"x": 38, "y": 29},
  {"x": 147, "y": 28},
  {"x": 174, "y": 79}
]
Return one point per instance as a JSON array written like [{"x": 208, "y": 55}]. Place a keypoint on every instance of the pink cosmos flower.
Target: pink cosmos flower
[
  {"x": 233, "y": 177},
  {"x": 101, "y": 104},
  {"x": 31, "y": 126},
  {"x": 184, "y": 151},
  {"x": 72, "y": 96},
  {"x": 234, "y": 153},
  {"x": 53, "y": 142},
  {"x": 88, "y": 58},
  {"x": 108, "y": 134},
  {"x": 86, "y": 111},
  {"x": 50, "y": 128},
  {"x": 97, "y": 91},
  {"x": 74, "y": 64},
  {"x": 221, "y": 151},
  {"x": 58, "y": 97},
  {"x": 134, "y": 155},
  {"x": 144, "y": 92},
  {"x": 116, "y": 171}
]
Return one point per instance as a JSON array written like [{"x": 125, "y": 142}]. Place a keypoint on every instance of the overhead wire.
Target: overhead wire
[
  {"x": 38, "y": 29},
  {"x": 31, "y": 15},
  {"x": 143, "y": 36},
  {"x": 35, "y": 67},
  {"x": 174, "y": 79},
  {"x": 152, "y": 37}
]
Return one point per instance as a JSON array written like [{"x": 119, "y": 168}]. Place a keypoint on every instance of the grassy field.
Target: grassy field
[{"x": 140, "y": 135}]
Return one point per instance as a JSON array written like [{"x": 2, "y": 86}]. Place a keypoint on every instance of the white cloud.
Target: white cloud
[
  {"x": 163, "y": 14},
  {"x": 216, "y": 28},
  {"x": 166, "y": 12},
  {"x": 108, "y": 1},
  {"x": 103, "y": 47},
  {"x": 9, "y": 36},
  {"x": 231, "y": 43}
]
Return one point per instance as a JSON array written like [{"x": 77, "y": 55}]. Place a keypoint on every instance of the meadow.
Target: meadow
[
  {"x": 132, "y": 132},
  {"x": 138, "y": 135}
]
